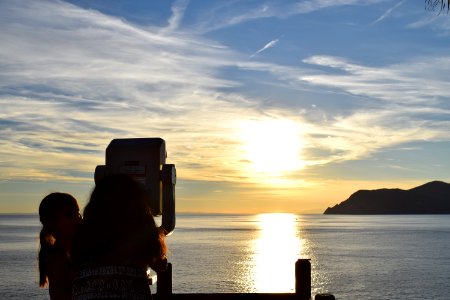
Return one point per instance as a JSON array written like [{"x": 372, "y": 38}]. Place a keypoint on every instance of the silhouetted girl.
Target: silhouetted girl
[
  {"x": 59, "y": 215},
  {"x": 116, "y": 243}
]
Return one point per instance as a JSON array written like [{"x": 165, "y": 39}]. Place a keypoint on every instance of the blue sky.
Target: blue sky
[{"x": 264, "y": 105}]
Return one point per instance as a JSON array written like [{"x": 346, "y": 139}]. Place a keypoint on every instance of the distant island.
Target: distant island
[{"x": 430, "y": 198}]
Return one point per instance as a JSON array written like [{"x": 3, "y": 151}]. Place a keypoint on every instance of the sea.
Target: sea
[{"x": 352, "y": 257}]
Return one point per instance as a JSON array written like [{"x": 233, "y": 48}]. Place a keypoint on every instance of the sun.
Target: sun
[{"x": 273, "y": 146}]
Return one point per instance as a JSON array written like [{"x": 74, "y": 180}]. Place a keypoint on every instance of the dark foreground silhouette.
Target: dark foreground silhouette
[{"x": 430, "y": 198}]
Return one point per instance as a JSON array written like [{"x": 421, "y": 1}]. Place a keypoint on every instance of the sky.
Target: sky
[{"x": 265, "y": 106}]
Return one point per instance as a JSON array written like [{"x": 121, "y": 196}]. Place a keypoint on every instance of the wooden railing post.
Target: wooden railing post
[
  {"x": 303, "y": 279},
  {"x": 164, "y": 284}
]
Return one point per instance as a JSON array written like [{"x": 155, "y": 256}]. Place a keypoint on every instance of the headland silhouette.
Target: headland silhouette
[{"x": 430, "y": 198}]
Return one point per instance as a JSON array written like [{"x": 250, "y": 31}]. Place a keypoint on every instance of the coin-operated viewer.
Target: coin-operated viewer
[{"x": 144, "y": 159}]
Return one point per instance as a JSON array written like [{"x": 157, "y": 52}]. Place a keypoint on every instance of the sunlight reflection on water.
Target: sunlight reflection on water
[{"x": 275, "y": 252}]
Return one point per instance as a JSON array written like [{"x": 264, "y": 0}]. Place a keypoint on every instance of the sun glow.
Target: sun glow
[{"x": 272, "y": 146}]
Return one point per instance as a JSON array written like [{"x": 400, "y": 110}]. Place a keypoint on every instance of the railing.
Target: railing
[{"x": 302, "y": 288}]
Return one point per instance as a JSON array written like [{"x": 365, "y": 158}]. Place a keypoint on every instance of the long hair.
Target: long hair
[
  {"x": 118, "y": 226},
  {"x": 49, "y": 209}
]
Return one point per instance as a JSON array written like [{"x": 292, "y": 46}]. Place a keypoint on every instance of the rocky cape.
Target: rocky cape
[{"x": 430, "y": 198}]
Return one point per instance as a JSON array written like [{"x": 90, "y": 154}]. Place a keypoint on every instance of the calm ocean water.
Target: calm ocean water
[{"x": 353, "y": 257}]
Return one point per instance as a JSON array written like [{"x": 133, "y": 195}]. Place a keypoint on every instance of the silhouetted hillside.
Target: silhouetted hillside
[{"x": 430, "y": 198}]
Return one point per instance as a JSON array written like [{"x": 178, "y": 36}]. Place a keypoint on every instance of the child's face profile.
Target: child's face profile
[{"x": 68, "y": 219}]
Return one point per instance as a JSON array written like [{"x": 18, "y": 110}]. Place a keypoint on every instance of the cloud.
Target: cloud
[
  {"x": 416, "y": 82},
  {"x": 70, "y": 75},
  {"x": 388, "y": 12},
  {"x": 403, "y": 102},
  {"x": 222, "y": 17},
  {"x": 232, "y": 13},
  {"x": 270, "y": 44},
  {"x": 313, "y": 5},
  {"x": 439, "y": 23},
  {"x": 73, "y": 79},
  {"x": 178, "y": 9}
]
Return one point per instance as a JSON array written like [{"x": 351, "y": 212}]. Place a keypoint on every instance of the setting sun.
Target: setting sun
[{"x": 273, "y": 146}]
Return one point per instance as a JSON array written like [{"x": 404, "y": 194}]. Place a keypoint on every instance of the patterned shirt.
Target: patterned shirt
[{"x": 111, "y": 282}]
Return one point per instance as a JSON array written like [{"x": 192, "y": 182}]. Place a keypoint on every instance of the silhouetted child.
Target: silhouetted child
[
  {"x": 117, "y": 242},
  {"x": 60, "y": 216}
]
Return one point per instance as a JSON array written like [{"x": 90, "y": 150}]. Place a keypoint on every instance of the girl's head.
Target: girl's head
[
  {"x": 118, "y": 224},
  {"x": 60, "y": 215}
]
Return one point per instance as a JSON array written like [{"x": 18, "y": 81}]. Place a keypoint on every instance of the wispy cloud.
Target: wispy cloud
[
  {"x": 402, "y": 101},
  {"x": 178, "y": 9},
  {"x": 313, "y": 5},
  {"x": 73, "y": 79},
  {"x": 388, "y": 12},
  {"x": 222, "y": 18},
  {"x": 270, "y": 44},
  {"x": 419, "y": 81},
  {"x": 71, "y": 75},
  {"x": 439, "y": 23}
]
